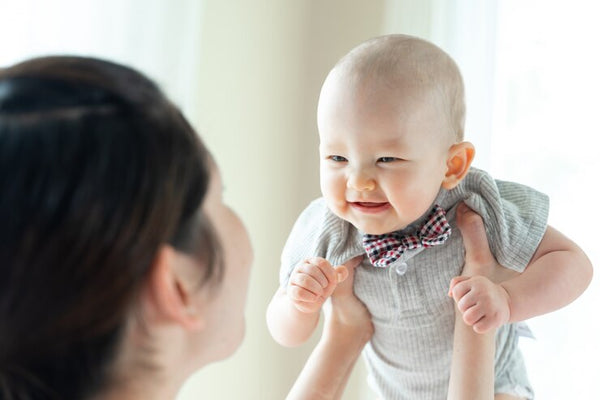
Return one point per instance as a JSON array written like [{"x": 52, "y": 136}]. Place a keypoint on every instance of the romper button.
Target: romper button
[{"x": 401, "y": 268}]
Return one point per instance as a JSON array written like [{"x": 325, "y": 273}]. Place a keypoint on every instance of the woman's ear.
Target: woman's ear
[
  {"x": 458, "y": 163},
  {"x": 169, "y": 298}
]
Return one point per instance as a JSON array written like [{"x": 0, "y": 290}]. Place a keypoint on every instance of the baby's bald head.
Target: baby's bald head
[{"x": 414, "y": 67}]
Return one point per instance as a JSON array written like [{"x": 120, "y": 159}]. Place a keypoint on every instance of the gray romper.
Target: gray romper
[{"x": 410, "y": 353}]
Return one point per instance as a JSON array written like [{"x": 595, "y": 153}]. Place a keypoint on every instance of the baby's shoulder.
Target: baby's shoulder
[
  {"x": 497, "y": 191},
  {"x": 325, "y": 233},
  {"x": 319, "y": 219},
  {"x": 322, "y": 222},
  {"x": 479, "y": 181},
  {"x": 515, "y": 215}
]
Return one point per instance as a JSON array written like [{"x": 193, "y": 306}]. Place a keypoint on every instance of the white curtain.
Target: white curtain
[
  {"x": 160, "y": 38},
  {"x": 531, "y": 76},
  {"x": 545, "y": 133},
  {"x": 467, "y": 31}
]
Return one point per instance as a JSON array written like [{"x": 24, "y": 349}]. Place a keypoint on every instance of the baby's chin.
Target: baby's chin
[
  {"x": 374, "y": 230},
  {"x": 368, "y": 227}
]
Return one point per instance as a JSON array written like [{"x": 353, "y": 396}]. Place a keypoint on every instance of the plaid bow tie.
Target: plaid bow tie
[{"x": 384, "y": 249}]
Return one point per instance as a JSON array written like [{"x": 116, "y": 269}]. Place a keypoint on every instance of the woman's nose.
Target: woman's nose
[{"x": 360, "y": 181}]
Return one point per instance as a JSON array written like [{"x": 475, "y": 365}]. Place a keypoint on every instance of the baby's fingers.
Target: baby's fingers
[
  {"x": 307, "y": 306},
  {"x": 307, "y": 283},
  {"x": 321, "y": 270},
  {"x": 485, "y": 324},
  {"x": 460, "y": 287},
  {"x": 330, "y": 274},
  {"x": 473, "y": 315},
  {"x": 318, "y": 269},
  {"x": 455, "y": 281},
  {"x": 297, "y": 293}
]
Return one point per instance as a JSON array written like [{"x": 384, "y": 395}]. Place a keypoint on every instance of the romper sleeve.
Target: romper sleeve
[
  {"x": 515, "y": 218},
  {"x": 318, "y": 233}
]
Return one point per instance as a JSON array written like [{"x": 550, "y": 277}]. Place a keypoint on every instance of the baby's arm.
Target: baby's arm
[
  {"x": 294, "y": 311},
  {"x": 556, "y": 275},
  {"x": 346, "y": 330}
]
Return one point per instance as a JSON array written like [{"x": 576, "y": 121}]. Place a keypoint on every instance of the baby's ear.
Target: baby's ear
[{"x": 460, "y": 156}]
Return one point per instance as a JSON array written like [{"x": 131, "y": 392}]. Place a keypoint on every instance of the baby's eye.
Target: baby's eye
[
  {"x": 338, "y": 158},
  {"x": 387, "y": 159}
]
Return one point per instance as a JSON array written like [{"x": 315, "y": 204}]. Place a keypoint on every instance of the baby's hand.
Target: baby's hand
[
  {"x": 480, "y": 298},
  {"x": 312, "y": 282},
  {"x": 484, "y": 304}
]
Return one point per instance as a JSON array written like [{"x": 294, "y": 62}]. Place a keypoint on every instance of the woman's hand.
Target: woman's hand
[
  {"x": 347, "y": 314},
  {"x": 346, "y": 330},
  {"x": 478, "y": 292},
  {"x": 472, "y": 351}
]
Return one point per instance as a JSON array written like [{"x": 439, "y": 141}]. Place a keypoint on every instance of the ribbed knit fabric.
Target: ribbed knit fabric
[{"x": 410, "y": 353}]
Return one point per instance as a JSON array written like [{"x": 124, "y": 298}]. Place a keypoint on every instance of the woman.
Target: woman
[{"x": 122, "y": 270}]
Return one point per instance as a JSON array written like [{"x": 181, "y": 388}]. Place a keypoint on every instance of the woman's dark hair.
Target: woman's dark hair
[{"x": 97, "y": 170}]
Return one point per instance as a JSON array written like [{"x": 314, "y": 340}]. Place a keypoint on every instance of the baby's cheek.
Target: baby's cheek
[
  {"x": 331, "y": 186},
  {"x": 335, "y": 199}
]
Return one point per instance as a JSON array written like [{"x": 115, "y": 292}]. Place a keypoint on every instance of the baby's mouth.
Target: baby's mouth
[
  {"x": 368, "y": 204},
  {"x": 369, "y": 207}
]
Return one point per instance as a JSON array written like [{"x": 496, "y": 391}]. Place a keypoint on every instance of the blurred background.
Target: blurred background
[{"x": 247, "y": 74}]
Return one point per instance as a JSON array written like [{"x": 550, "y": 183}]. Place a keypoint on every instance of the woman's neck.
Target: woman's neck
[
  {"x": 148, "y": 366},
  {"x": 135, "y": 390}
]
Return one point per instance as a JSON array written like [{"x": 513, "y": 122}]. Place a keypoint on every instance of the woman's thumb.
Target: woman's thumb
[
  {"x": 474, "y": 236},
  {"x": 342, "y": 273},
  {"x": 345, "y": 274}
]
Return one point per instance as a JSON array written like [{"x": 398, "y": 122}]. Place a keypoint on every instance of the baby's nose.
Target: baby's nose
[{"x": 360, "y": 181}]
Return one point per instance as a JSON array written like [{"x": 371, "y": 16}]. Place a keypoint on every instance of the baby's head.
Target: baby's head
[{"x": 391, "y": 123}]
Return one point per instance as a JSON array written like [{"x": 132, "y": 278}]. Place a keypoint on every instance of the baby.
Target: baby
[{"x": 394, "y": 167}]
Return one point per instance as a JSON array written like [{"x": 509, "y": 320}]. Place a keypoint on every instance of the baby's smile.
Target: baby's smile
[{"x": 370, "y": 207}]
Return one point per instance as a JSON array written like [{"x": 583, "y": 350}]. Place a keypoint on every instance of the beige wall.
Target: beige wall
[
  {"x": 248, "y": 74},
  {"x": 261, "y": 67}
]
